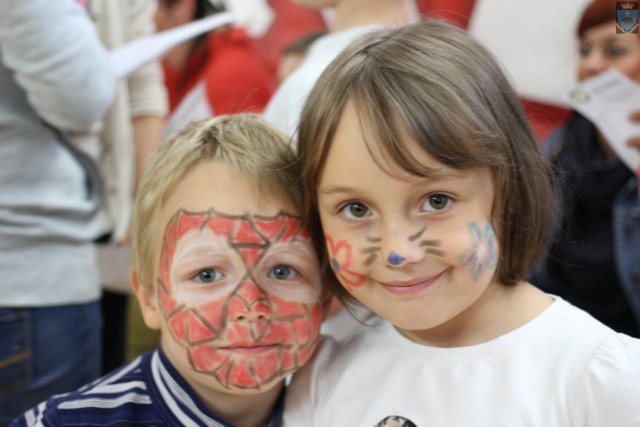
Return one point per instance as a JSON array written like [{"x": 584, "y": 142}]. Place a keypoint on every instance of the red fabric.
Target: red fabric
[
  {"x": 544, "y": 118},
  {"x": 455, "y": 11},
  {"x": 291, "y": 22},
  {"x": 235, "y": 79}
]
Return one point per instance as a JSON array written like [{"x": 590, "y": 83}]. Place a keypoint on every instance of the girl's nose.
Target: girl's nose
[{"x": 401, "y": 246}]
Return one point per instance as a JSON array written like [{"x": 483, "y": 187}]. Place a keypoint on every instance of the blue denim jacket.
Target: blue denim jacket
[{"x": 626, "y": 226}]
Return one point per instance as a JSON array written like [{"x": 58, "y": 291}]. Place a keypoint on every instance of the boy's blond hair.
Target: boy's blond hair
[{"x": 242, "y": 141}]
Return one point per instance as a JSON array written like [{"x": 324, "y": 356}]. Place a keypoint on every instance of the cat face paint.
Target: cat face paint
[{"x": 241, "y": 295}]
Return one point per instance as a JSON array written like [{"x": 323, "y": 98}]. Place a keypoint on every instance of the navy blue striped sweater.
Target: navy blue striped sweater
[{"x": 146, "y": 392}]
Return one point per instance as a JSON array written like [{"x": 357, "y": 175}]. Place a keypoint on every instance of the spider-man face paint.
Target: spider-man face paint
[{"x": 241, "y": 294}]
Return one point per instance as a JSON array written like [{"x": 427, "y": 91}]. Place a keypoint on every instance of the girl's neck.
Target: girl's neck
[
  {"x": 358, "y": 13},
  {"x": 499, "y": 311}
]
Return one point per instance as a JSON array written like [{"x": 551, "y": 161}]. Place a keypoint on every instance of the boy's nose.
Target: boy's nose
[{"x": 249, "y": 303}]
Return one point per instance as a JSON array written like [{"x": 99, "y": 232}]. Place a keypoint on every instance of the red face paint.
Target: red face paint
[
  {"x": 341, "y": 259},
  {"x": 247, "y": 326}
]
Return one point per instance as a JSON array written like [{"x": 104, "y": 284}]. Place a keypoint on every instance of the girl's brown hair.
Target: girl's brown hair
[{"x": 434, "y": 82}]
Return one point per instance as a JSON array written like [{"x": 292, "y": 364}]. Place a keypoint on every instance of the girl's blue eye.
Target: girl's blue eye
[
  {"x": 283, "y": 272},
  {"x": 354, "y": 210},
  {"x": 436, "y": 202},
  {"x": 209, "y": 275}
]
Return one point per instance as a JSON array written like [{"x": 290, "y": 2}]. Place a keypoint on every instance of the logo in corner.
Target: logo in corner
[{"x": 627, "y": 17}]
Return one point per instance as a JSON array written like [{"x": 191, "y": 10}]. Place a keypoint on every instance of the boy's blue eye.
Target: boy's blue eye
[
  {"x": 355, "y": 210},
  {"x": 282, "y": 272},
  {"x": 436, "y": 202},
  {"x": 209, "y": 275}
]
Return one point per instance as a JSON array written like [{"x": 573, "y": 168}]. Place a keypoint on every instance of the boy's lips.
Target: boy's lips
[
  {"x": 413, "y": 287},
  {"x": 250, "y": 348}
]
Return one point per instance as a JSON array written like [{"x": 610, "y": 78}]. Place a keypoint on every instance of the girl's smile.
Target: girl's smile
[{"x": 412, "y": 288}]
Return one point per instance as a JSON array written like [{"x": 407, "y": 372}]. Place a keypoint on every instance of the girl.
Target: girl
[{"x": 423, "y": 177}]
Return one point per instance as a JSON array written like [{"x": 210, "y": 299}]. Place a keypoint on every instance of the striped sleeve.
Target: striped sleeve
[{"x": 116, "y": 399}]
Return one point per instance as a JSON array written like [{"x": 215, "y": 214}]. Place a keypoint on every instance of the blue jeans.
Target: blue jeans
[{"x": 46, "y": 351}]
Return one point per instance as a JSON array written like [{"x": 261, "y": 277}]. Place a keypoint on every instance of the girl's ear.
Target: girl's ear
[{"x": 147, "y": 299}]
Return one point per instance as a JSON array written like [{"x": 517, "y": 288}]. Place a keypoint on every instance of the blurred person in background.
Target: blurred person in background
[
  {"x": 213, "y": 74},
  {"x": 348, "y": 19},
  {"x": 293, "y": 55},
  {"x": 593, "y": 258},
  {"x": 132, "y": 132},
  {"x": 56, "y": 82}
]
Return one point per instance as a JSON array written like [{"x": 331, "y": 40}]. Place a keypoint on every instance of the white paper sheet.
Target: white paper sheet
[
  {"x": 607, "y": 100},
  {"x": 132, "y": 56},
  {"x": 535, "y": 41}
]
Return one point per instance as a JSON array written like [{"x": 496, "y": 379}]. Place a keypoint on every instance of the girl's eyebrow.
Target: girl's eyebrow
[
  {"x": 437, "y": 176},
  {"x": 336, "y": 189}
]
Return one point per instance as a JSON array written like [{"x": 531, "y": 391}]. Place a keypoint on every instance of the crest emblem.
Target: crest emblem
[{"x": 627, "y": 17}]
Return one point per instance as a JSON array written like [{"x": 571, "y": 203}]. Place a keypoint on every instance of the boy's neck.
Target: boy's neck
[
  {"x": 243, "y": 410},
  {"x": 357, "y": 13}
]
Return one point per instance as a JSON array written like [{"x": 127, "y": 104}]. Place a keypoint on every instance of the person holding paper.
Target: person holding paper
[
  {"x": 213, "y": 74},
  {"x": 593, "y": 255},
  {"x": 55, "y": 84}
]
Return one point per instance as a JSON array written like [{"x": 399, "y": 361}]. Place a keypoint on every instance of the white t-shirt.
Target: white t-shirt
[
  {"x": 563, "y": 368},
  {"x": 285, "y": 107}
]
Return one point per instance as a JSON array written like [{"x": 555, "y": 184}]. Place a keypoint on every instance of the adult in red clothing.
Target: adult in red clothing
[{"x": 216, "y": 73}]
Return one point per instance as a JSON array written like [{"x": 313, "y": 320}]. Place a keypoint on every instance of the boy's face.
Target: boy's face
[
  {"x": 419, "y": 251},
  {"x": 238, "y": 289}
]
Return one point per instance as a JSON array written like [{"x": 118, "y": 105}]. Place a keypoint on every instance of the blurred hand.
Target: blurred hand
[
  {"x": 256, "y": 16},
  {"x": 635, "y": 141}
]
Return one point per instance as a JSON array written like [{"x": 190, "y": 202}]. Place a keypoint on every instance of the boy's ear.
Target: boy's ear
[{"x": 147, "y": 300}]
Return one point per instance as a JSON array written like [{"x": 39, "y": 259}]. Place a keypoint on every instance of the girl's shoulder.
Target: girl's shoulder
[{"x": 610, "y": 380}]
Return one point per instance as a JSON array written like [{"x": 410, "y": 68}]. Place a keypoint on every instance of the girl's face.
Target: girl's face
[
  {"x": 601, "y": 48},
  {"x": 238, "y": 289},
  {"x": 420, "y": 252}
]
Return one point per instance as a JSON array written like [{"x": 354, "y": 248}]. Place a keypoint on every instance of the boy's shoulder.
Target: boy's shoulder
[{"x": 119, "y": 397}]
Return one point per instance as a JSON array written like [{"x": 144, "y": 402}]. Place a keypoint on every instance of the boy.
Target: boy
[{"x": 223, "y": 268}]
